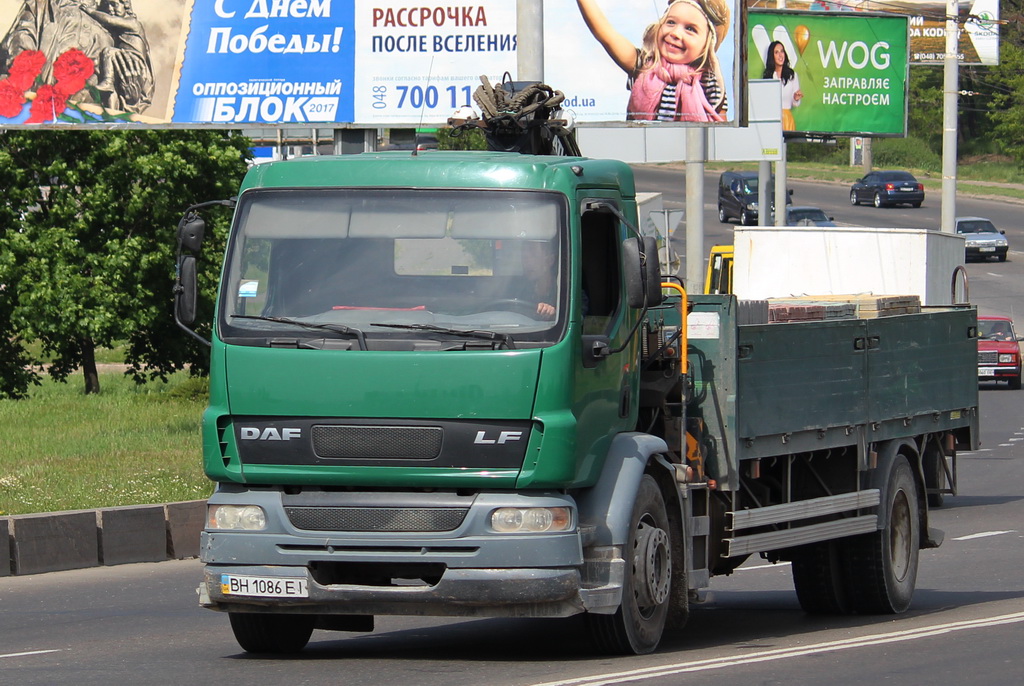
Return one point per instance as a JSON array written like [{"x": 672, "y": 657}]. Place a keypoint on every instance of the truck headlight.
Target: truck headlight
[
  {"x": 507, "y": 520},
  {"x": 1007, "y": 358},
  {"x": 244, "y": 517},
  {"x": 752, "y": 206}
]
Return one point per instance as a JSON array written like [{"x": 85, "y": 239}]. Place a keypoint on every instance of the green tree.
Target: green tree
[
  {"x": 87, "y": 241},
  {"x": 1006, "y": 83}
]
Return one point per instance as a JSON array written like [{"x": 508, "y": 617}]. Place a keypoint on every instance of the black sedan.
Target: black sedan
[{"x": 883, "y": 188}]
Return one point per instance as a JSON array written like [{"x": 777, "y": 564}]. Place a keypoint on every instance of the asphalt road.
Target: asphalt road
[{"x": 141, "y": 624}]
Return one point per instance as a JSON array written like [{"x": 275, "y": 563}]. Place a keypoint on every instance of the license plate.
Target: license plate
[
  {"x": 986, "y": 249},
  {"x": 986, "y": 372},
  {"x": 264, "y": 586},
  {"x": 908, "y": 189}
]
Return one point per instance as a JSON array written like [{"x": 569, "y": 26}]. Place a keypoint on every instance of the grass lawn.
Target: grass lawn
[{"x": 129, "y": 445}]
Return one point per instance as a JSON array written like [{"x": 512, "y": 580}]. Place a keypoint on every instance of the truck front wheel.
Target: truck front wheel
[
  {"x": 271, "y": 633},
  {"x": 637, "y": 625},
  {"x": 883, "y": 564}
]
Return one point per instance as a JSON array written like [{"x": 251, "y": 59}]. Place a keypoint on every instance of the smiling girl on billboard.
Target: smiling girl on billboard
[{"x": 675, "y": 74}]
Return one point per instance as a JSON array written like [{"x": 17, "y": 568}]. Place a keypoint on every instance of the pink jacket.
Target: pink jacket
[{"x": 691, "y": 102}]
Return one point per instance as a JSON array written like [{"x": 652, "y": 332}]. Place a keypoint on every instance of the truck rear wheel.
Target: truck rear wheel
[
  {"x": 883, "y": 564},
  {"x": 934, "y": 477},
  {"x": 271, "y": 633},
  {"x": 637, "y": 625},
  {"x": 818, "y": 577}
]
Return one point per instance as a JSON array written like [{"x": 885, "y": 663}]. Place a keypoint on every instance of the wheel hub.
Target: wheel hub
[{"x": 653, "y": 566}]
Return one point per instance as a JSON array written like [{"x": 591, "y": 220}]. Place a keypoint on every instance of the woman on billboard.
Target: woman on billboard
[
  {"x": 674, "y": 75},
  {"x": 776, "y": 66}
]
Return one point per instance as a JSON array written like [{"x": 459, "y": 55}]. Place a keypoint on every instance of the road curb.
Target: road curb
[{"x": 57, "y": 541}]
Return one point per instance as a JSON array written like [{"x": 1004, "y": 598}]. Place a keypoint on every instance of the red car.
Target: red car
[{"x": 998, "y": 351}]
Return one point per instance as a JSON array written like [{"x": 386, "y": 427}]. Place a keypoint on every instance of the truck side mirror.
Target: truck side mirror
[
  {"x": 185, "y": 291},
  {"x": 190, "y": 232},
  {"x": 642, "y": 271}
]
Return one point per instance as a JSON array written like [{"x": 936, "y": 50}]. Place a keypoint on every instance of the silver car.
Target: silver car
[{"x": 982, "y": 239}]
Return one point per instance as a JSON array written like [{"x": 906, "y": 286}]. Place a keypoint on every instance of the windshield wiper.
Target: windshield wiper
[
  {"x": 337, "y": 328},
  {"x": 502, "y": 338}
]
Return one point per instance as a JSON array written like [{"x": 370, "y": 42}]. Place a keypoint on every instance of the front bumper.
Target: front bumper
[
  {"x": 991, "y": 373},
  {"x": 459, "y": 593},
  {"x": 469, "y": 571},
  {"x": 987, "y": 251}
]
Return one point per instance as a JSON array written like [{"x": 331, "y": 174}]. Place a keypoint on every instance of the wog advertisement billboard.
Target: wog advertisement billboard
[
  {"x": 841, "y": 74},
  {"x": 979, "y": 20}
]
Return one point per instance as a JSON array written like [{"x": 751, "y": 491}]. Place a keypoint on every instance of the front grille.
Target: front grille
[
  {"x": 412, "y": 519},
  {"x": 375, "y": 442},
  {"x": 988, "y": 357}
]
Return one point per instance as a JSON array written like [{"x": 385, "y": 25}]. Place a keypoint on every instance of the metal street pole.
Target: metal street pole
[
  {"x": 950, "y": 105},
  {"x": 696, "y": 154},
  {"x": 530, "y": 41}
]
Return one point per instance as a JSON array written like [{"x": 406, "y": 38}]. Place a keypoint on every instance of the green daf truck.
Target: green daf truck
[{"x": 457, "y": 384}]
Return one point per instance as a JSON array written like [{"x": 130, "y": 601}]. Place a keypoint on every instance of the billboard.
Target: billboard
[
  {"x": 979, "y": 39},
  {"x": 841, "y": 74},
  {"x": 366, "y": 63},
  {"x": 647, "y": 61},
  {"x": 233, "y": 63}
]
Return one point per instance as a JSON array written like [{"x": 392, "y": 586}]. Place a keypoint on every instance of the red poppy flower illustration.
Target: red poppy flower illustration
[
  {"x": 71, "y": 70},
  {"x": 12, "y": 98},
  {"x": 47, "y": 106},
  {"x": 25, "y": 68}
]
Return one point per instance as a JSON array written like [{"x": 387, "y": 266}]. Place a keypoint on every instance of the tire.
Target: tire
[
  {"x": 878, "y": 199},
  {"x": 915, "y": 204},
  {"x": 1014, "y": 383},
  {"x": 1002, "y": 258},
  {"x": 934, "y": 477},
  {"x": 818, "y": 576},
  {"x": 637, "y": 626},
  {"x": 722, "y": 216},
  {"x": 853, "y": 198},
  {"x": 271, "y": 633},
  {"x": 745, "y": 219},
  {"x": 882, "y": 566}
]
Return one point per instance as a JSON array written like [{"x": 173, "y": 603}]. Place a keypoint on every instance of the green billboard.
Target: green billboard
[{"x": 842, "y": 74}]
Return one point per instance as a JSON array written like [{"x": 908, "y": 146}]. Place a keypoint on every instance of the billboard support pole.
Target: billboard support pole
[
  {"x": 696, "y": 155},
  {"x": 530, "y": 40},
  {"x": 764, "y": 175},
  {"x": 950, "y": 100},
  {"x": 781, "y": 187}
]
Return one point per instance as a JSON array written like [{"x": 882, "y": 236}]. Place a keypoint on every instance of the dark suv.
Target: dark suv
[{"x": 737, "y": 196}]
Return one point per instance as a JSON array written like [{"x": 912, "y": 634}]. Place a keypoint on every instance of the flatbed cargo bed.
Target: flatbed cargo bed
[{"x": 784, "y": 388}]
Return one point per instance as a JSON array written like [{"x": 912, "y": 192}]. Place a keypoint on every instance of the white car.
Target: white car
[{"x": 982, "y": 239}]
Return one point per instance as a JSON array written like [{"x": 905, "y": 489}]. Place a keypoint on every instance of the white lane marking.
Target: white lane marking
[
  {"x": 983, "y": 534},
  {"x": 783, "y": 653},
  {"x": 767, "y": 566},
  {"x": 31, "y": 652}
]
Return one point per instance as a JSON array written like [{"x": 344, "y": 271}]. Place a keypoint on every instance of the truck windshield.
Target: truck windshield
[{"x": 410, "y": 264}]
